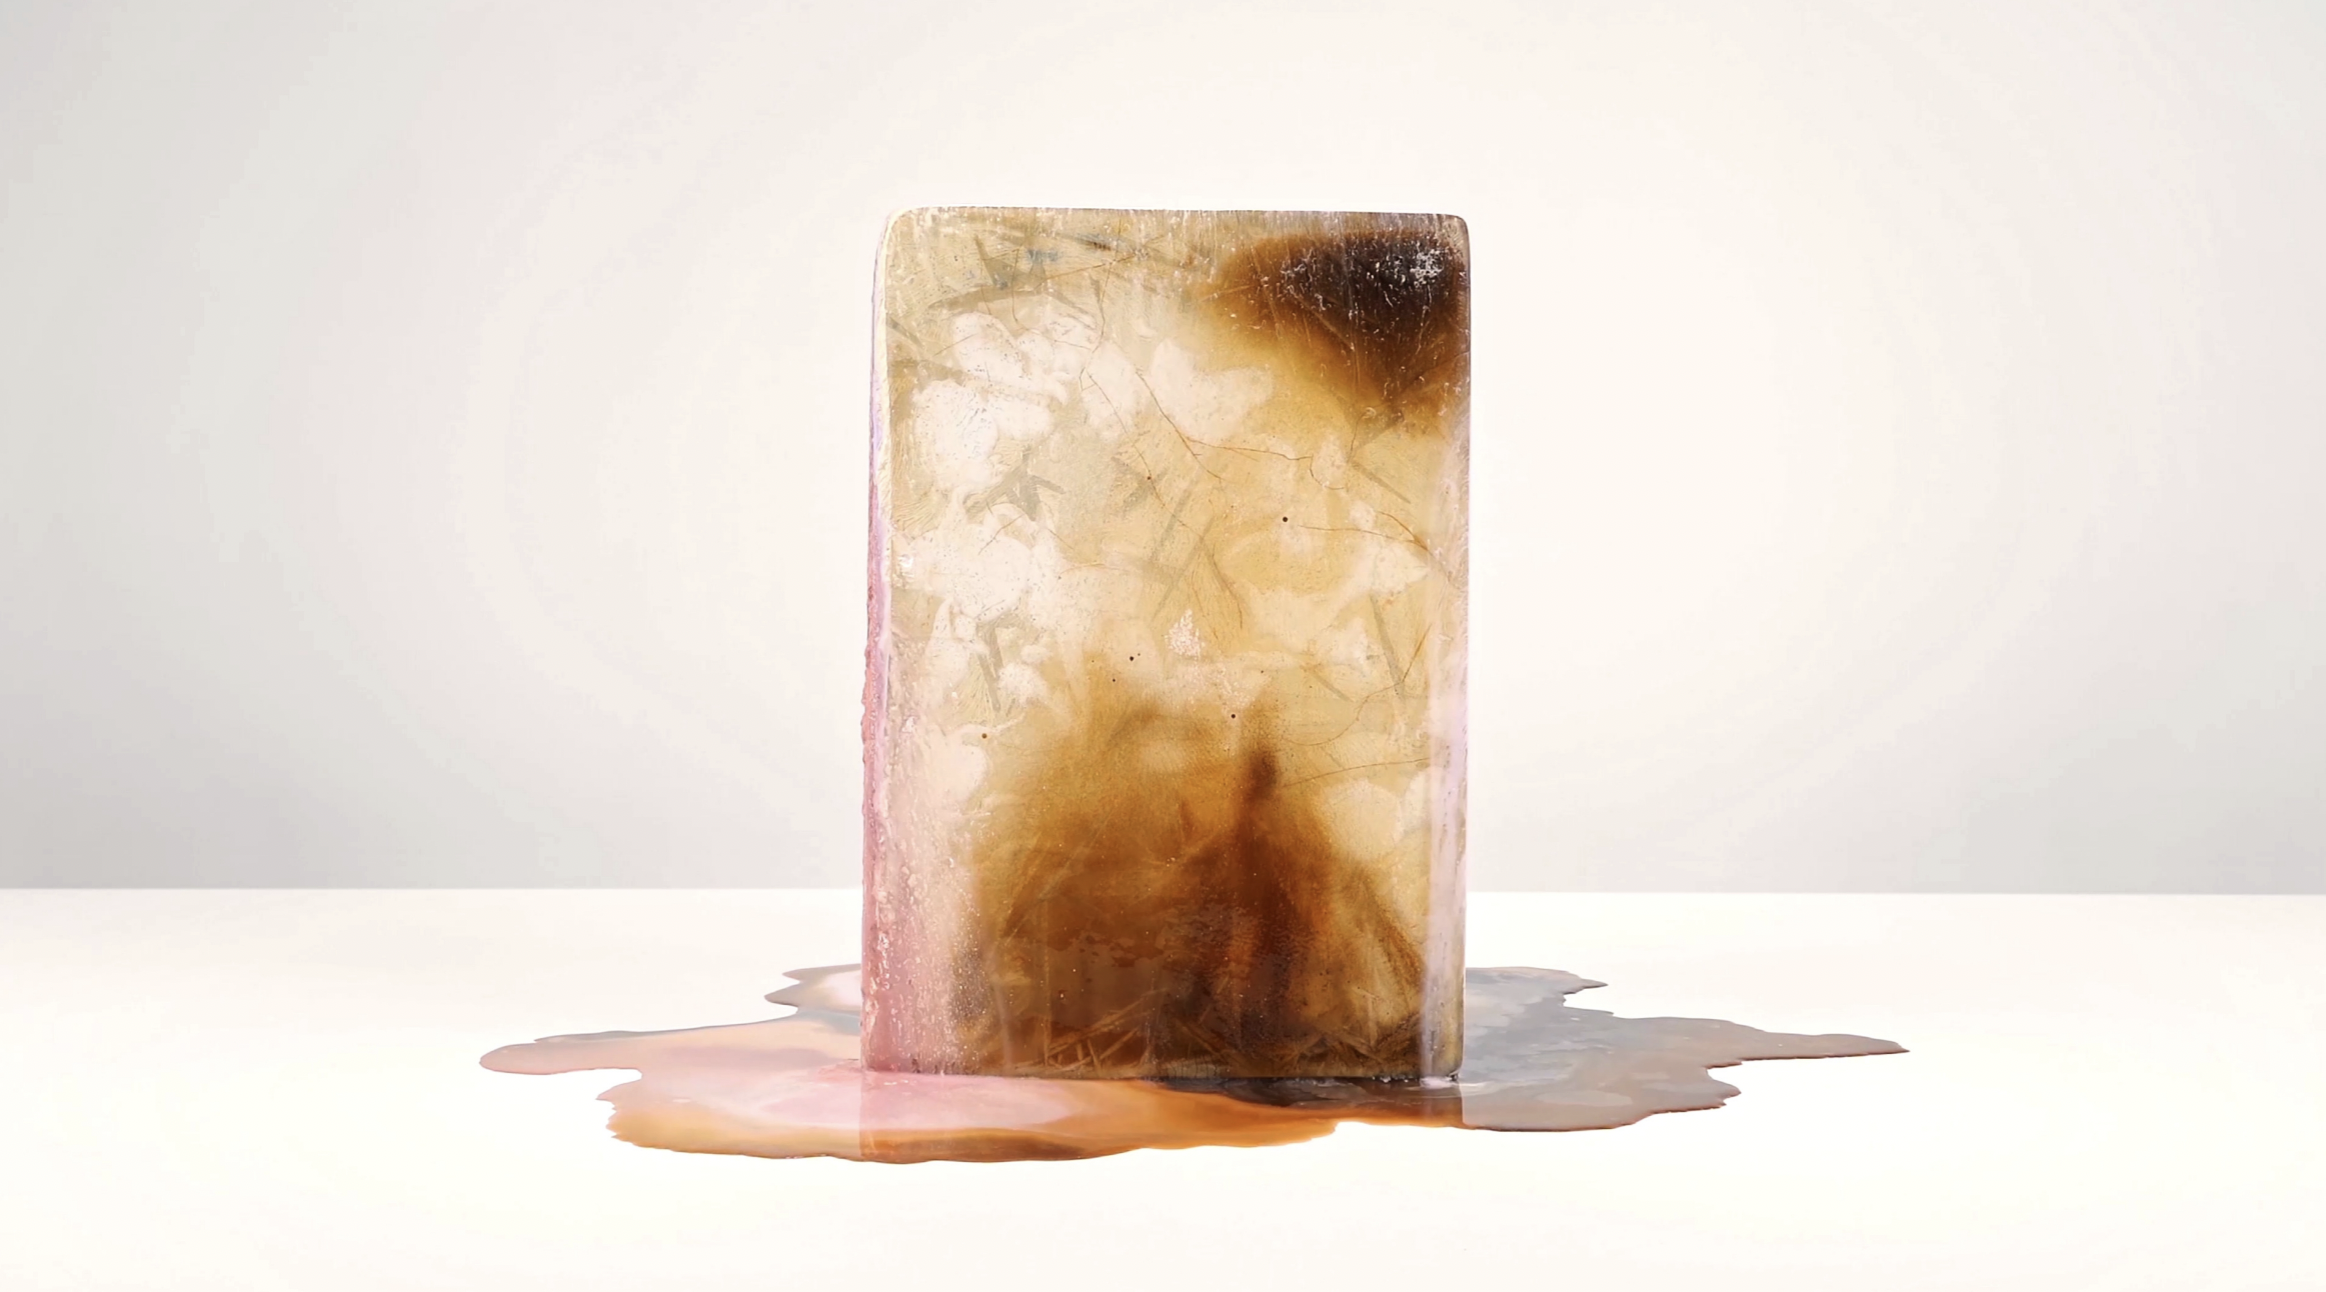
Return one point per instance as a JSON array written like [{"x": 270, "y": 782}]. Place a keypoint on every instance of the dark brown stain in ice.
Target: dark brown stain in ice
[
  {"x": 1161, "y": 900},
  {"x": 1382, "y": 312}
]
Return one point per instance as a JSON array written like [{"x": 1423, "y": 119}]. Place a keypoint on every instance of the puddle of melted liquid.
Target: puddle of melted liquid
[{"x": 792, "y": 1086}]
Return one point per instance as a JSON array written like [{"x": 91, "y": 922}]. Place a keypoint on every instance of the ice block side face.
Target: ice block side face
[{"x": 1164, "y": 720}]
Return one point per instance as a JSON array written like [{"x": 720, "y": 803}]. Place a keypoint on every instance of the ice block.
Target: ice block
[{"x": 1164, "y": 697}]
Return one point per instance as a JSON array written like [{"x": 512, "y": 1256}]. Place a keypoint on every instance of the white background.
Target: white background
[{"x": 432, "y": 435}]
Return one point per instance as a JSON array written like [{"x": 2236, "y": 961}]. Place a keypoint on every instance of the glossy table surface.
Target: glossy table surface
[{"x": 270, "y": 1089}]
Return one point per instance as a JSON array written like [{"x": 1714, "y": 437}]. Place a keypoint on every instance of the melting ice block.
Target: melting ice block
[{"x": 1164, "y": 699}]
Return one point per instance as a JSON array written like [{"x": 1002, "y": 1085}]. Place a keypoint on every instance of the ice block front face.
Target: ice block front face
[{"x": 1164, "y": 698}]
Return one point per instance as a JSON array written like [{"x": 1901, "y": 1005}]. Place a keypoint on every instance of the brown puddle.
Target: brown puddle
[{"x": 792, "y": 1087}]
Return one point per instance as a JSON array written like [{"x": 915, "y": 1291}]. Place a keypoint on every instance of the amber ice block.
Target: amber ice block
[{"x": 1164, "y": 720}]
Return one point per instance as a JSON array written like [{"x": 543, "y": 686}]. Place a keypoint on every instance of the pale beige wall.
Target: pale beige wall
[{"x": 432, "y": 435}]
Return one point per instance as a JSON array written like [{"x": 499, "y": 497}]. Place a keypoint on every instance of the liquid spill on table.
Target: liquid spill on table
[{"x": 792, "y": 1087}]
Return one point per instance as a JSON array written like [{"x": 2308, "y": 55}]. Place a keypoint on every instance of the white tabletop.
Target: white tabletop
[{"x": 255, "y": 1090}]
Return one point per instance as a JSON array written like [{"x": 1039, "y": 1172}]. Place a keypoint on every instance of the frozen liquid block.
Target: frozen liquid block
[{"x": 1164, "y": 721}]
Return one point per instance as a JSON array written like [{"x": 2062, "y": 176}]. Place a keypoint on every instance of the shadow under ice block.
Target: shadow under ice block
[{"x": 1164, "y": 698}]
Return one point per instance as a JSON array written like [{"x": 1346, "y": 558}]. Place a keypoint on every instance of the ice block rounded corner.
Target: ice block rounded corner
[{"x": 1164, "y": 699}]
